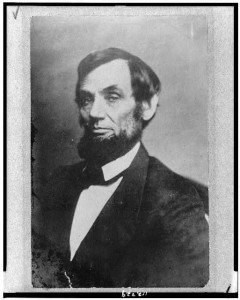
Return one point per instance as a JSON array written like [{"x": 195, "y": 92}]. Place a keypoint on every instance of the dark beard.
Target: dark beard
[{"x": 101, "y": 152}]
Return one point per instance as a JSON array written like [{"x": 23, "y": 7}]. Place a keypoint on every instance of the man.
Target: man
[{"x": 121, "y": 218}]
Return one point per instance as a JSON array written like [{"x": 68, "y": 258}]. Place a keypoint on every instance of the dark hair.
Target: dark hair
[{"x": 144, "y": 81}]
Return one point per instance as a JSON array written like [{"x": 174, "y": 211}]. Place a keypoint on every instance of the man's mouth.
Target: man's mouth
[{"x": 101, "y": 130}]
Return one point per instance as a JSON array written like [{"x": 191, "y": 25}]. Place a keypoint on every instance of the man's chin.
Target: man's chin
[{"x": 103, "y": 149}]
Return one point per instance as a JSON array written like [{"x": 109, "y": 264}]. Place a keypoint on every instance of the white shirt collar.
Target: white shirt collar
[{"x": 115, "y": 167}]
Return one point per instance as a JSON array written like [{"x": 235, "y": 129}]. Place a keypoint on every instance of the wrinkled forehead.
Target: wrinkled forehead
[{"x": 115, "y": 72}]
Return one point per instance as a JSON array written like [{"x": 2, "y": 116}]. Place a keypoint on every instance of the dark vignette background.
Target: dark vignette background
[{"x": 174, "y": 46}]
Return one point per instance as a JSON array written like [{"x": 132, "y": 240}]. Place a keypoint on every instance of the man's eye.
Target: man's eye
[
  {"x": 86, "y": 101},
  {"x": 112, "y": 98}
]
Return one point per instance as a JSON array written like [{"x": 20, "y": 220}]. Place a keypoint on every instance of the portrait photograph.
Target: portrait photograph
[{"x": 127, "y": 173}]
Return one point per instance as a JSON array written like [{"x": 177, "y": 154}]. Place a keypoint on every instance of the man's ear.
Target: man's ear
[{"x": 149, "y": 108}]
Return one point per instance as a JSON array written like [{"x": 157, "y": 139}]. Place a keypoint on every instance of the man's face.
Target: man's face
[{"x": 108, "y": 110}]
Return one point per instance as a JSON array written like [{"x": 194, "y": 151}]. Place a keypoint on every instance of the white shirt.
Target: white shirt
[{"x": 93, "y": 199}]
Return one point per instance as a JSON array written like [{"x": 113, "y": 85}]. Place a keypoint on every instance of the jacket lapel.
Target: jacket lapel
[
  {"x": 116, "y": 224},
  {"x": 60, "y": 213}
]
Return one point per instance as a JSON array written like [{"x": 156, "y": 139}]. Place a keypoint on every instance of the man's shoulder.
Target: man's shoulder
[
  {"x": 67, "y": 172},
  {"x": 161, "y": 175},
  {"x": 62, "y": 183},
  {"x": 162, "y": 180}
]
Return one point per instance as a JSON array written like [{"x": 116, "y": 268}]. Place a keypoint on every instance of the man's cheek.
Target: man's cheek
[{"x": 83, "y": 118}]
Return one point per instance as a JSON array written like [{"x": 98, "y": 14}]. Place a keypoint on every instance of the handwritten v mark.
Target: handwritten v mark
[{"x": 16, "y": 13}]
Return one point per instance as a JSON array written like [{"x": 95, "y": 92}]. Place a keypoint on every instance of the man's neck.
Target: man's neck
[{"x": 120, "y": 164}]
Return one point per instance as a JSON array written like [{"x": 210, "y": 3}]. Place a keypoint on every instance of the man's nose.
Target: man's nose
[{"x": 98, "y": 108}]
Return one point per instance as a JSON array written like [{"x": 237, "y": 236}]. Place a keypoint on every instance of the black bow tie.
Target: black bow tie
[{"x": 93, "y": 175}]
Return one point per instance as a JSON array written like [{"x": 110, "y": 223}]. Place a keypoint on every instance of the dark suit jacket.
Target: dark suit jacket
[{"x": 151, "y": 233}]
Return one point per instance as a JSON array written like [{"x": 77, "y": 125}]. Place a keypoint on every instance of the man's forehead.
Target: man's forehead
[{"x": 115, "y": 72}]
